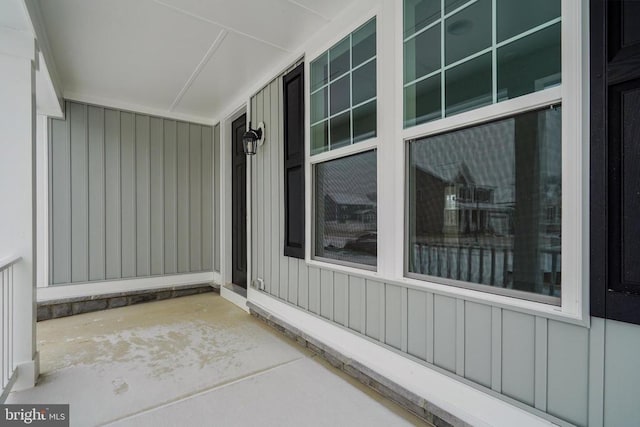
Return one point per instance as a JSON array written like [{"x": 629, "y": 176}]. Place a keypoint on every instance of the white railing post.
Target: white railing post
[{"x": 7, "y": 322}]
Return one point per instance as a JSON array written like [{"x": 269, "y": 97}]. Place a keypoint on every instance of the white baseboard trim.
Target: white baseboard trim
[
  {"x": 234, "y": 298},
  {"x": 463, "y": 401},
  {"x": 56, "y": 292}
]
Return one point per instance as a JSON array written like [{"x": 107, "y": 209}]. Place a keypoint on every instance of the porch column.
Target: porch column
[{"x": 18, "y": 55}]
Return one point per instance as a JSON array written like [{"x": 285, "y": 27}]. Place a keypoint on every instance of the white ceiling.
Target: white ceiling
[{"x": 182, "y": 57}]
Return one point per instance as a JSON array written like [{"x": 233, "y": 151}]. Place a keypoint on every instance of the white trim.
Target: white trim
[
  {"x": 234, "y": 298},
  {"x": 465, "y": 402},
  {"x": 575, "y": 176},
  {"x": 48, "y": 62},
  {"x": 345, "y": 151},
  {"x": 250, "y": 160},
  {"x": 126, "y": 285},
  {"x": 17, "y": 43},
  {"x": 226, "y": 188},
  {"x": 42, "y": 202},
  {"x": 9, "y": 261},
  {"x": 136, "y": 108},
  {"x": 485, "y": 114}
]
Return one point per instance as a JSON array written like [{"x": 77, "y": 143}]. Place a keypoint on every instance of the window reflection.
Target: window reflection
[
  {"x": 485, "y": 204},
  {"x": 346, "y": 209}
]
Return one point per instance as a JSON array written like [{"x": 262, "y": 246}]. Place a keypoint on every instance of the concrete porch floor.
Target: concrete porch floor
[{"x": 194, "y": 361}]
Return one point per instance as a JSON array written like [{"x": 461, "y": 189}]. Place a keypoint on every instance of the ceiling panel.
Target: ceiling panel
[
  {"x": 152, "y": 53},
  {"x": 280, "y": 23},
  {"x": 131, "y": 51},
  {"x": 236, "y": 66},
  {"x": 13, "y": 15},
  {"x": 325, "y": 8}
]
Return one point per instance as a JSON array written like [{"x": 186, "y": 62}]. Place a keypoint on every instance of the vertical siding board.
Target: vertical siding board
[
  {"x": 404, "y": 344},
  {"x": 268, "y": 201},
  {"x": 207, "y": 198},
  {"x": 518, "y": 353},
  {"x": 60, "y": 232},
  {"x": 326, "y": 294},
  {"x": 496, "y": 349},
  {"x": 277, "y": 127},
  {"x": 340, "y": 285},
  {"x": 568, "y": 369},
  {"x": 143, "y": 240},
  {"x": 622, "y": 367},
  {"x": 393, "y": 316},
  {"x": 170, "y": 198},
  {"x": 293, "y": 281},
  {"x": 596, "y": 372},
  {"x": 274, "y": 186},
  {"x": 417, "y": 324},
  {"x": 79, "y": 194},
  {"x": 182, "y": 148},
  {"x": 541, "y": 367},
  {"x": 96, "y": 194},
  {"x": 356, "y": 307},
  {"x": 444, "y": 337},
  {"x": 283, "y": 290},
  {"x": 156, "y": 149},
  {"x": 373, "y": 289},
  {"x": 128, "y": 193},
  {"x": 216, "y": 200},
  {"x": 112, "y": 194},
  {"x": 314, "y": 290},
  {"x": 460, "y": 349},
  {"x": 195, "y": 197},
  {"x": 477, "y": 343},
  {"x": 303, "y": 285},
  {"x": 430, "y": 326}
]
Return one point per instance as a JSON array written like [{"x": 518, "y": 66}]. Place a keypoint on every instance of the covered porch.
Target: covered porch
[{"x": 194, "y": 360}]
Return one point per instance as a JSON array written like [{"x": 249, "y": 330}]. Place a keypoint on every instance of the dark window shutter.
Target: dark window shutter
[
  {"x": 615, "y": 155},
  {"x": 294, "y": 163}
]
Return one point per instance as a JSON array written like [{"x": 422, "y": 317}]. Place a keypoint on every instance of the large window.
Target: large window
[
  {"x": 484, "y": 205},
  {"x": 484, "y": 195},
  {"x": 343, "y": 91},
  {"x": 464, "y": 54}
]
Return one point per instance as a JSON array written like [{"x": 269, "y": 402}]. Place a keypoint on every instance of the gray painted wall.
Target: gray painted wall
[
  {"x": 131, "y": 195},
  {"x": 542, "y": 365}
]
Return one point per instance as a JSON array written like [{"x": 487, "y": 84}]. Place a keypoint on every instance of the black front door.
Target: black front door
[{"x": 239, "y": 202}]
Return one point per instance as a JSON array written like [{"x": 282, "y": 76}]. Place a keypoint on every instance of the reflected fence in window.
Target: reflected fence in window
[{"x": 491, "y": 266}]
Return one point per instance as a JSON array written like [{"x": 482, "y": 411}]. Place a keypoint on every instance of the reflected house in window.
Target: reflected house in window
[
  {"x": 455, "y": 205},
  {"x": 354, "y": 208}
]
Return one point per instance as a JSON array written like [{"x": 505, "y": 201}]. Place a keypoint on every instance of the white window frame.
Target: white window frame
[
  {"x": 391, "y": 139},
  {"x": 354, "y": 148}
]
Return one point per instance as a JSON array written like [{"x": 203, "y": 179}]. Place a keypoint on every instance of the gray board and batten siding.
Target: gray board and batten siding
[
  {"x": 548, "y": 367},
  {"x": 131, "y": 195}
]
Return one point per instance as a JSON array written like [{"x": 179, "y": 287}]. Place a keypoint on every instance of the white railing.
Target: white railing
[{"x": 7, "y": 363}]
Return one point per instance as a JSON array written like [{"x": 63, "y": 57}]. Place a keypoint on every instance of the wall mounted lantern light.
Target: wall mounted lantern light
[{"x": 252, "y": 139}]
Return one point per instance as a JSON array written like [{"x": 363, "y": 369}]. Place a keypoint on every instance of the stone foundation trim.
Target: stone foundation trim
[{"x": 77, "y": 305}]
